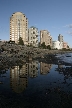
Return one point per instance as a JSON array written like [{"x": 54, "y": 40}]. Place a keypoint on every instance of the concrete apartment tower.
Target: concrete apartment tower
[
  {"x": 19, "y": 27},
  {"x": 45, "y": 37},
  {"x": 33, "y": 36},
  {"x": 60, "y": 38}
]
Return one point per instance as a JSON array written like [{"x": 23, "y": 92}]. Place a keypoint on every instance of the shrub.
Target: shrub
[{"x": 21, "y": 41}]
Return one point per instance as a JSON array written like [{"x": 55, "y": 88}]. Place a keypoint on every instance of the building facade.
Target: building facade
[
  {"x": 55, "y": 45},
  {"x": 65, "y": 45},
  {"x": 60, "y": 38},
  {"x": 33, "y": 36},
  {"x": 18, "y": 27},
  {"x": 45, "y": 37},
  {"x": 61, "y": 45}
]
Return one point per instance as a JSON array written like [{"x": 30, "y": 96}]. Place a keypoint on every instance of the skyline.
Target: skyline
[{"x": 54, "y": 16}]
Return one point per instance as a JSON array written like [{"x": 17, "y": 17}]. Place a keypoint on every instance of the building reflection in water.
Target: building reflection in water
[
  {"x": 19, "y": 74},
  {"x": 33, "y": 69},
  {"x": 60, "y": 66},
  {"x": 18, "y": 84},
  {"x": 66, "y": 71},
  {"x": 45, "y": 68}
]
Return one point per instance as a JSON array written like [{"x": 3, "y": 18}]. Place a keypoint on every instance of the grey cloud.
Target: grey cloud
[
  {"x": 69, "y": 32},
  {"x": 69, "y": 26},
  {"x": 66, "y": 26}
]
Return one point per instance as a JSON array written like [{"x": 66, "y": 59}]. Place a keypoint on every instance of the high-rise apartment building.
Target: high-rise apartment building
[
  {"x": 45, "y": 37},
  {"x": 33, "y": 36},
  {"x": 18, "y": 27},
  {"x": 60, "y": 38}
]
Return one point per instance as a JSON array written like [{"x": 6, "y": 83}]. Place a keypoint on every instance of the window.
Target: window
[
  {"x": 12, "y": 29},
  {"x": 33, "y": 32},
  {"x": 33, "y": 37}
]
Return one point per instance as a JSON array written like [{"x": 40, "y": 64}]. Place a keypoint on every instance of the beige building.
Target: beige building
[
  {"x": 45, "y": 68},
  {"x": 18, "y": 27},
  {"x": 17, "y": 83},
  {"x": 45, "y": 37},
  {"x": 65, "y": 45}
]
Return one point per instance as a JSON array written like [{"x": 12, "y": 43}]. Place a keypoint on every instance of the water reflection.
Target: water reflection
[
  {"x": 33, "y": 69},
  {"x": 45, "y": 68},
  {"x": 60, "y": 66},
  {"x": 18, "y": 84},
  {"x": 66, "y": 71},
  {"x": 19, "y": 74},
  {"x": 37, "y": 82}
]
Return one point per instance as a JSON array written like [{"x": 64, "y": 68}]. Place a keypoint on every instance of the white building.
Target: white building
[
  {"x": 57, "y": 45},
  {"x": 61, "y": 45}
]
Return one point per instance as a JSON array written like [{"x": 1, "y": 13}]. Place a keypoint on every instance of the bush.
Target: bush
[
  {"x": 43, "y": 45},
  {"x": 21, "y": 41},
  {"x": 49, "y": 47}
]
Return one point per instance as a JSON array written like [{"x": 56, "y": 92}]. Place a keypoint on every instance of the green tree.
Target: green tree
[
  {"x": 21, "y": 41},
  {"x": 30, "y": 44},
  {"x": 49, "y": 47},
  {"x": 43, "y": 45},
  {"x": 39, "y": 44}
]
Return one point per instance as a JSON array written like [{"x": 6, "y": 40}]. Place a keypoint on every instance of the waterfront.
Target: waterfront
[{"x": 36, "y": 84}]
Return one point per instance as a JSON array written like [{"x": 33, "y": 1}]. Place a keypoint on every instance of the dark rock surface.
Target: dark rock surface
[{"x": 12, "y": 54}]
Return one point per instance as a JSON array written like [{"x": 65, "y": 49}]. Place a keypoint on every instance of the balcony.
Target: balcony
[{"x": 36, "y": 35}]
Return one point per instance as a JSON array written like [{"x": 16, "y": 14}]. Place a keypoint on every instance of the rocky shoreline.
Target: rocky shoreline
[{"x": 12, "y": 55}]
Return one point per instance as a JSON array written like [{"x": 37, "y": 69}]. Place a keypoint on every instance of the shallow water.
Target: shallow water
[
  {"x": 31, "y": 85},
  {"x": 64, "y": 57}
]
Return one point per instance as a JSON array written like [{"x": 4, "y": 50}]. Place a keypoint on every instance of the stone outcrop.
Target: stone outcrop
[{"x": 13, "y": 54}]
